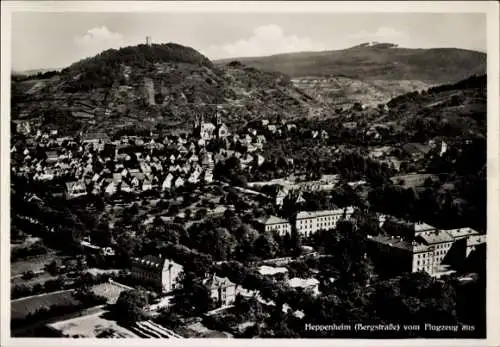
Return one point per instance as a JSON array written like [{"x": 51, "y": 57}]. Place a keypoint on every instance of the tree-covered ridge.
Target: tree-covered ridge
[
  {"x": 103, "y": 70},
  {"x": 473, "y": 82},
  {"x": 141, "y": 55}
]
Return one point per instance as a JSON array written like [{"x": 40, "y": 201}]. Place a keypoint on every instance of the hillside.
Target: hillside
[
  {"x": 453, "y": 111},
  {"x": 371, "y": 73},
  {"x": 153, "y": 87},
  {"x": 344, "y": 92}
]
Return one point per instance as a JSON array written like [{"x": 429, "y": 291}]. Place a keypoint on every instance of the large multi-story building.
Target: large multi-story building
[
  {"x": 158, "y": 272},
  {"x": 222, "y": 290},
  {"x": 309, "y": 222},
  {"x": 431, "y": 250},
  {"x": 273, "y": 223},
  {"x": 439, "y": 241}
]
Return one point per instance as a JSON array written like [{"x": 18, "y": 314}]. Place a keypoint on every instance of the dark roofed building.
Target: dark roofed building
[
  {"x": 51, "y": 156},
  {"x": 95, "y": 138},
  {"x": 222, "y": 290},
  {"x": 156, "y": 271},
  {"x": 416, "y": 150}
]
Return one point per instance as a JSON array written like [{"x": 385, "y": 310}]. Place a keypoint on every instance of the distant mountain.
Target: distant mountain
[
  {"x": 154, "y": 87},
  {"x": 33, "y": 71},
  {"x": 371, "y": 72},
  {"x": 377, "y": 61}
]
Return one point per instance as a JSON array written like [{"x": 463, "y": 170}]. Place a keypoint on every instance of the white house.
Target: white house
[
  {"x": 111, "y": 188},
  {"x": 75, "y": 189},
  {"x": 125, "y": 187},
  {"x": 179, "y": 182},
  {"x": 208, "y": 177},
  {"x": 167, "y": 183}
]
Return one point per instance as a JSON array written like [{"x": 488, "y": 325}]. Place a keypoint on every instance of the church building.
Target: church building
[{"x": 210, "y": 130}]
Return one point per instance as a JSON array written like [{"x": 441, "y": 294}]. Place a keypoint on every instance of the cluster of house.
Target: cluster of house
[
  {"x": 163, "y": 275},
  {"x": 293, "y": 187},
  {"x": 306, "y": 223},
  {"x": 280, "y": 273},
  {"x": 416, "y": 151},
  {"x": 95, "y": 164},
  {"x": 383, "y": 154},
  {"x": 427, "y": 249}
]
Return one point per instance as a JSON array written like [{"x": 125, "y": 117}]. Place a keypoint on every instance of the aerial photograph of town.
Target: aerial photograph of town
[{"x": 239, "y": 176}]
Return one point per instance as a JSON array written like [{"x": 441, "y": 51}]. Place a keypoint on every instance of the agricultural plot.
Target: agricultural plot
[
  {"x": 412, "y": 180},
  {"x": 92, "y": 326},
  {"x": 110, "y": 290},
  {"x": 21, "y": 308},
  {"x": 31, "y": 264},
  {"x": 40, "y": 278}
]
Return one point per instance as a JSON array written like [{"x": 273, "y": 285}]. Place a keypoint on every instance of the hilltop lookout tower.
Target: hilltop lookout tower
[{"x": 148, "y": 40}]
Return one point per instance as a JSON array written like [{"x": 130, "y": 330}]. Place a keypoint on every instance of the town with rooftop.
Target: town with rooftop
[
  {"x": 184, "y": 247},
  {"x": 157, "y": 194}
]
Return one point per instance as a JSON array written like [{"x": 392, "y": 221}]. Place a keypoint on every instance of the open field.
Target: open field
[
  {"x": 31, "y": 264},
  {"x": 26, "y": 243},
  {"x": 412, "y": 180},
  {"x": 39, "y": 278},
  {"x": 110, "y": 290},
  {"x": 91, "y": 326},
  {"x": 21, "y": 308},
  {"x": 200, "y": 330}
]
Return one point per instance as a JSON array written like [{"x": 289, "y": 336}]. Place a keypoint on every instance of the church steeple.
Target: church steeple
[
  {"x": 218, "y": 119},
  {"x": 196, "y": 122}
]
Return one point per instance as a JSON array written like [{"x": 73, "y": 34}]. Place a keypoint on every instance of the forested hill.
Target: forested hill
[
  {"x": 457, "y": 110},
  {"x": 103, "y": 70},
  {"x": 153, "y": 87}
]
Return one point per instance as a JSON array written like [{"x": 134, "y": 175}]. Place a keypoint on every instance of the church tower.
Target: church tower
[
  {"x": 196, "y": 121},
  {"x": 218, "y": 119}
]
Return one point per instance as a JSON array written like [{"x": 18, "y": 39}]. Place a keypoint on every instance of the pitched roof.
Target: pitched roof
[
  {"x": 140, "y": 176},
  {"x": 322, "y": 213},
  {"x": 272, "y": 220},
  {"x": 420, "y": 227},
  {"x": 150, "y": 261},
  {"x": 461, "y": 232},
  {"x": 216, "y": 282},
  {"x": 96, "y": 136},
  {"x": 302, "y": 283},
  {"x": 71, "y": 185},
  {"x": 271, "y": 270},
  {"x": 433, "y": 237},
  {"x": 476, "y": 240},
  {"x": 414, "y": 147},
  {"x": 393, "y": 242}
]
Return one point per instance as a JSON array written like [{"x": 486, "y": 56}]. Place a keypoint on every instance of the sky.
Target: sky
[{"x": 57, "y": 39}]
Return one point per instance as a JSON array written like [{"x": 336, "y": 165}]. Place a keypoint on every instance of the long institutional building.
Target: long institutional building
[
  {"x": 431, "y": 250},
  {"x": 307, "y": 222}
]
